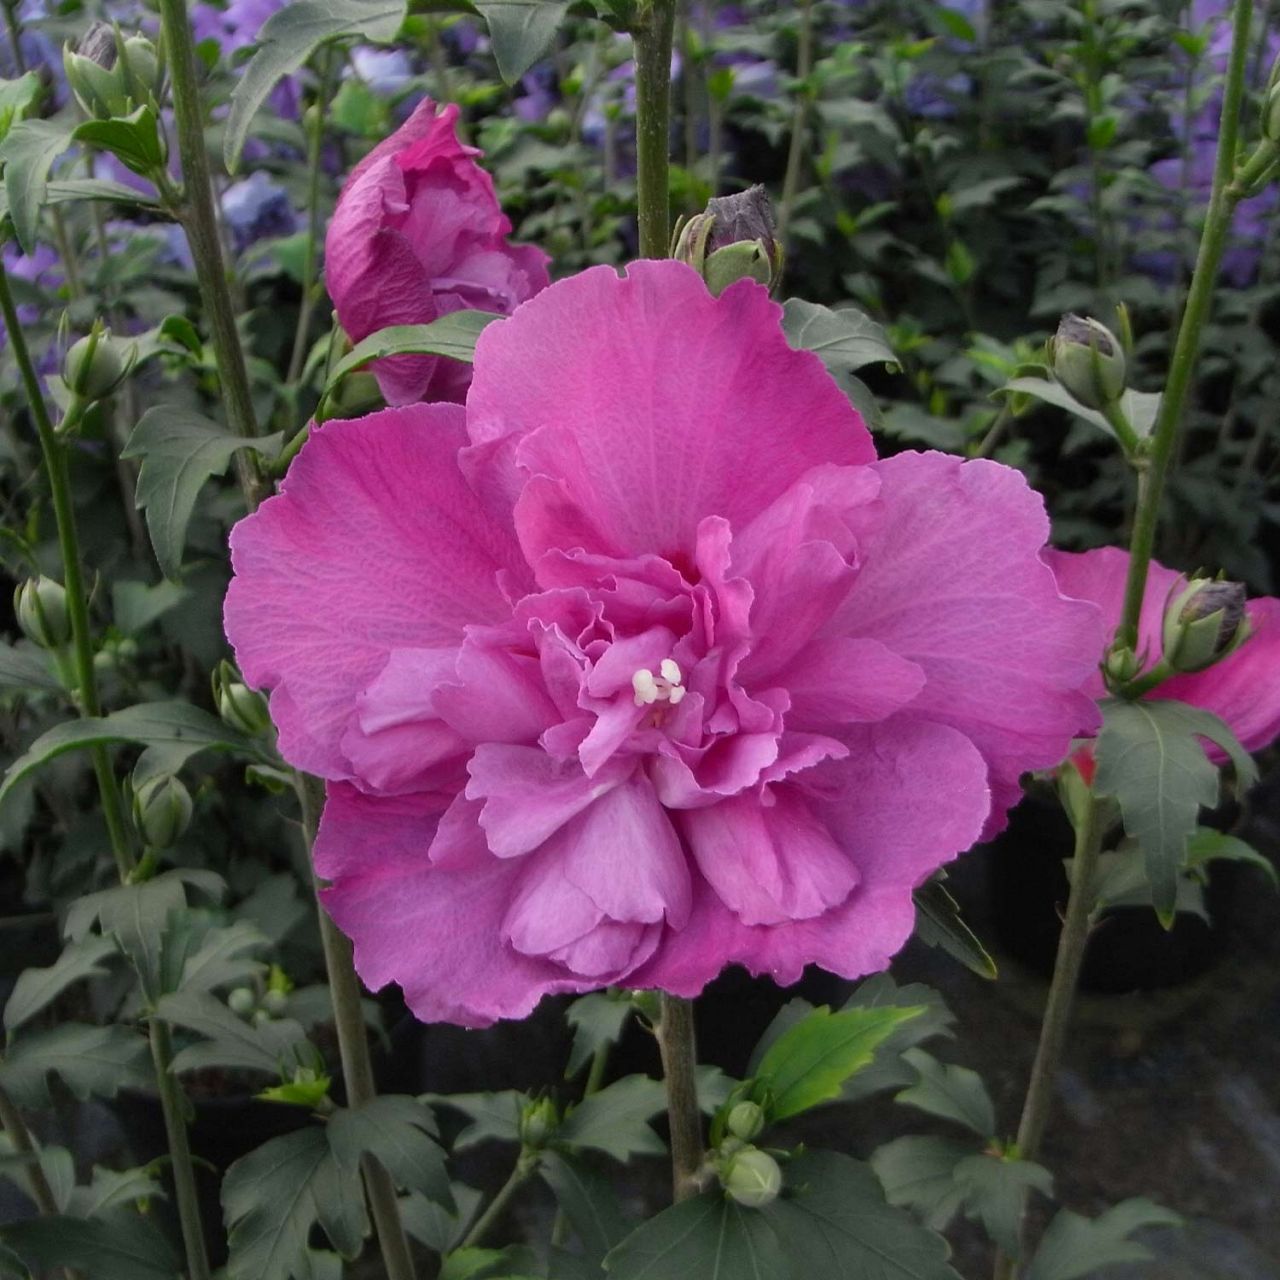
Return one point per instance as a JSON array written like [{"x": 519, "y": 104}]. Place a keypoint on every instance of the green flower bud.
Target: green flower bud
[
  {"x": 732, "y": 240},
  {"x": 238, "y": 705},
  {"x": 1088, "y": 360},
  {"x": 1121, "y": 664},
  {"x": 745, "y": 1121},
  {"x": 41, "y": 608},
  {"x": 94, "y": 367},
  {"x": 94, "y": 73},
  {"x": 275, "y": 1003},
  {"x": 161, "y": 810},
  {"x": 1203, "y": 623},
  {"x": 143, "y": 73},
  {"x": 752, "y": 1178},
  {"x": 242, "y": 1002},
  {"x": 538, "y": 1122}
]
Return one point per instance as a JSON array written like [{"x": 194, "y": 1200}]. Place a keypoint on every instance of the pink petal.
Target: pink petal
[
  {"x": 433, "y": 930},
  {"x": 953, "y": 581},
  {"x": 655, "y": 405},
  {"x": 375, "y": 543}
]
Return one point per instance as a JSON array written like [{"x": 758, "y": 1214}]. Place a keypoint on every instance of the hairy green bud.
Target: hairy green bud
[
  {"x": 1203, "y": 623},
  {"x": 161, "y": 810},
  {"x": 41, "y": 608},
  {"x": 1088, "y": 360}
]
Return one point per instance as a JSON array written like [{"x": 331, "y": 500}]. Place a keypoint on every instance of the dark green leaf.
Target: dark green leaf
[
  {"x": 26, "y": 668},
  {"x": 1151, "y": 761},
  {"x": 917, "y": 1173},
  {"x": 521, "y": 31},
  {"x": 838, "y": 1225},
  {"x": 939, "y": 924},
  {"x": 37, "y": 988},
  {"x": 272, "y": 1197},
  {"x": 113, "y": 1189},
  {"x": 119, "y": 1246},
  {"x": 844, "y": 340},
  {"x": 400, "y": 1133},
  {"x": 134, "y": 139},
  {"x": 494, "y": 1116},
  {"x": 28, "y": 152},
  {"x": 224, "y": 955},
  {"x": 1074, "y": 1247},
  {"x": 515, "y": 1262},
  {"x": 995, "y": 1192},
  {"x": 1208, "y": 845},
  {"x": 597, "y": 1021},
  {"x": 587, "y": 1200},
  {"x": 1140, "y": 407},
  {"x": 180, "y": 450},
  {"x": 168, "y": 724},
  {"x": 437, "y": 1227},
  {"x": 707, "y": 1238},
  {"x": 90, "y": 1061},
  {"x": 453, "y": 335},
  {"x": 955, "y": 1093},
  {"x": 136, "y": 605},
  {"x": 615, "y": 1120},
  {"x": 288, "y": 38},
  {"x": 808, "y": 1063},
  {"x": 887, "y": 1070},
  {"x": 268, "y": 1046}
]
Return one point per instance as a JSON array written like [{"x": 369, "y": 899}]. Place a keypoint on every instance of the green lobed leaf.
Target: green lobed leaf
[
  {"x": 808, "y": 1063},
  {"x": 495, "y": 1117},
  {"x": 1074, "y": 1247},
  {"x": 918, "y": 1173},
  {"x": 1140, "y": 407},
  {"x": 90, "y": 1061},
  {"x": 598, "y": 1021},
  {"x": 168, "y": 724},
  {"x": 180, "y": 450},
  {"x": 1208, "y": 845},
  {"x": 118, "y": 1246},
  {"x": 587, "y": 1200},
  {"x": 113, "y": 1189},
  {"x": 35, "y": 989},
  {"x": 844, "y": 340},
  {"x": 952, "y": 1092},
  {"x": 28, "y": 152},
  {"x": 939, "y": 924},
  {"x": 221, "y": 956},
  {"x": 17, "y": 99},
  {"x": 995, "y": 1192},
  {"x": 136, "y": 605},
  {"x": 839, "y": 1225},
  {"x": 399, "y": 1132},
  {"x": 133, "y": 139},
  {"x": 270, "y": 1046},
  {"x": 272, "y": 1198},
  {"x": 26, "y": 668},
  {"x": 888, "y": 1070},
  {"x": 615, "y": 1120},
  {"x": 710, "y": 1237},
  {"x": 288, "y": 38},
  {"x": 440, "y": 1229},
  {"x": 1151, "y": 761},
  {"x": 453, "y": 335},
  {"x": 521, "y": 31}
]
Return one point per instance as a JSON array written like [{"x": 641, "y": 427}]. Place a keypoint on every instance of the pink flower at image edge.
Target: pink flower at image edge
[
  {"x": 417, "y": 234},
  {"x": 1241, "y": 689},
  {"x": 643, "y": 665}
]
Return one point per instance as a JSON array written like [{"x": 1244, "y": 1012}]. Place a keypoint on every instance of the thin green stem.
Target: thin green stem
[
  {"x": 310, "y": 285},
  {"x": 353, "y": 1050},
  {"x": 525, "y": 1166},
  {"x": 172, "y": 1104},
  {"x": 995, "y": 432},
  {"x": 678, "y": 1047},
  {"x": 15, "y": 34},
  {"x": 1228, "y": 189},
  {"x": 1076, "y": 926},
  {"x": 653, "y": 36},
  {"x": 799, "y": 115},
  {"x": 54, "y": 452},
  {"x": 20, "y": 1136},
  {"x": 198, "y": 216}
]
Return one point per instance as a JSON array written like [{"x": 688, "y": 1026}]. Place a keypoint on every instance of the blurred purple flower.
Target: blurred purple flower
[
  {"x": 385, "y": 71},
  {"x": 258, "y": 209}
]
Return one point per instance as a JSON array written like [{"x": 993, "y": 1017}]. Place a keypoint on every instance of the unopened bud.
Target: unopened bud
[
  {"x": 537, "y": 1122},
  {"x": 143, "y": 74},
  {"x": 41, "y": 608},
  {"x": 94, "y": 74},
  {"x": 238, "y": 705},
  {"x": 752, "y": 1178},
  {"x": 1121, "y": 664},
  {"x": 745, "y": 1121},
  {"x": 1088, "y": 360},
  {"x": 161, "y": 810},
  {"x": 1203, "y": 623},
  {"x": 242, "y": 1002},
  {"x": 96, "y": 365},
  {"x": 275, "y": 1003},
  {"x": 732, "y": 240}
]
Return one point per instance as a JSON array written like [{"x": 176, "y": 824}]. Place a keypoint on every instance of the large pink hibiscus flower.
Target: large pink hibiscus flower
[
  {"x": 642, "y": 665},
  {"x": 418, "y": 233}
]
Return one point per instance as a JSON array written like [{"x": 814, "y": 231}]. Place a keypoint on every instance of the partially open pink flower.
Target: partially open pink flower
[
  {"x": 644, "y": 665},
  {"x": 1242, "y": 689},
  {"x": 418, "y": 233}
]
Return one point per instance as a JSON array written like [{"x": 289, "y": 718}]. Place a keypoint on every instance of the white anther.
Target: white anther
[
  {"x": 670, "y": 671},
  {"x": 675, "y": 694},
  {"x": 646, "y": 688}
]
